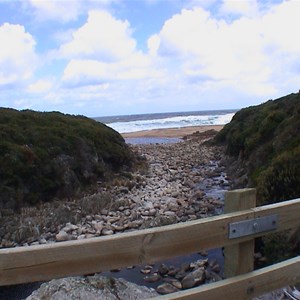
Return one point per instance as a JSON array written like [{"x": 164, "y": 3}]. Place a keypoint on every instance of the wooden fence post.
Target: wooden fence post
[{"x": 239, "y": 258}]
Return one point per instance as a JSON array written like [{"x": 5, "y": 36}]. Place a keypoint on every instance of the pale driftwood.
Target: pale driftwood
[
  {"x": 239, "y": 257},
  {"x": 245, "y": 286},
  {"x": 44, "y": 262}
]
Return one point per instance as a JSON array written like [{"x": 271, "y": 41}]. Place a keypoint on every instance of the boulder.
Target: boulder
[
  {"x": 166, "y": 288},
  {"x": 62, "y": 236},
  {"x": 193, "y": 279},
  {"x": 92, "y": 288}
]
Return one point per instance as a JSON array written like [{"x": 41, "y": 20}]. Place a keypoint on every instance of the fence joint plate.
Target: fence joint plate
[{"x": 253, "y": 226}]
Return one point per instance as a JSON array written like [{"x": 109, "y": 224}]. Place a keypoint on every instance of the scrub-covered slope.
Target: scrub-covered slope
[
  {"x": 265, "y": 140},
  {"x": 46, "y": 155}
]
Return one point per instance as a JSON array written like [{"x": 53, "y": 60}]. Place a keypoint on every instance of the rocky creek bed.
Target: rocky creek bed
[{"x": 184, "y": 182}]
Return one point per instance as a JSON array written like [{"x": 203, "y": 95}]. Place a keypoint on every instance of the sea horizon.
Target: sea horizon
[{"x": 150, "y": 121}]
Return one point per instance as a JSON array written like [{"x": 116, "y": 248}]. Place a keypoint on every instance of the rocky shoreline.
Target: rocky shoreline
[{"x": 171, "y": 189}]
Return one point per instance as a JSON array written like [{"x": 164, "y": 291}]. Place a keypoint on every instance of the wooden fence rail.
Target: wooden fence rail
[{"x": 45, "y": 262}]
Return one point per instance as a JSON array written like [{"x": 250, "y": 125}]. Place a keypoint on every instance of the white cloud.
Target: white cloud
[
  {"x": 40, "y": 86},
  {"x": 245, "y": 54},
  {"x": 88, "y": 72},
  {"x": 239, "y": 7},
  {"x": 280, "y": 26},
  {"x": 97, "y": 54},
  {"x": 17, "y": 54},
  {"x": 63, "y": 10},
  {"x": 102, "y": 37},
  {"x": 153, "y": 44}
]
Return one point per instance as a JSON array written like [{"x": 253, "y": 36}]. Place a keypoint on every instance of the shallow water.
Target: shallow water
[
  {"x": 134, "y": 275},
  {"x": 19, "y": 291}
]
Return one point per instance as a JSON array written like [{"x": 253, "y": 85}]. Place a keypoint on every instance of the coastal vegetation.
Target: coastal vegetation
[
  {"x": 264, "y": 145},
  {"x": 49, "y": 154}
]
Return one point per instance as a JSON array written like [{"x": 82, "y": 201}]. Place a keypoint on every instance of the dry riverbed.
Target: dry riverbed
[{"x": 173, "y": 189}]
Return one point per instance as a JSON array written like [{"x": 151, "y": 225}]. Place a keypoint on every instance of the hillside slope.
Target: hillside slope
[
  {"x": 46, "y": 155},
  {"x": 265, "y": 141}
]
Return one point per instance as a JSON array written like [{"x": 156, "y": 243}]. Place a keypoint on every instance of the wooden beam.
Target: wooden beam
[
  {"x": 246, "y": 286},
  {"x": 44, "y": 262},
  {"x": 239, "y": 257}
]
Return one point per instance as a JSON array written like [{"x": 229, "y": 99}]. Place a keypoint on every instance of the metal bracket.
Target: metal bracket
[{"x": 253, "y": 226}]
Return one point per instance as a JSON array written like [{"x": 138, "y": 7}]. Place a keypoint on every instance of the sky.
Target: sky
[{"x": 117, "y": 57}]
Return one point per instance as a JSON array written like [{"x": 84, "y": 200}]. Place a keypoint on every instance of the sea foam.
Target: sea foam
[{"x": 152, "y": 122}]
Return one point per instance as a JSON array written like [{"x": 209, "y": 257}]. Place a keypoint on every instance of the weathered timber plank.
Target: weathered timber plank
[
  {"x": 239, "y": 257},
  {"x": 246, "y": 286},
  {"x": 44, "y": 262}
]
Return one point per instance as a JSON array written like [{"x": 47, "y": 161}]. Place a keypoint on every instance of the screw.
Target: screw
[
  {"x": 250, "y": 290},
  {"x": 255, "y": 226}
]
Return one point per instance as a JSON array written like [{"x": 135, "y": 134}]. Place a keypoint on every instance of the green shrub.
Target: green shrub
[
  {"x": 281, "y": 180},
  {"x": 44, "y": 155},
  {"x": 267, "y": 140}
]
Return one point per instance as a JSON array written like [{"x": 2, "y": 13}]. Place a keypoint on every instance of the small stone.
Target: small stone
[
  {"x": 166, "y": 288},
  {"x": 194, "y": 278},
  {"x": 106, "y": 231},
  {"x": 89, "y": 218},
  {"x": 43, "y": 241},
  {"x": 34, "y": 243},
  {"x": 98, "y": 227},
  {"x": 181, "y": 274},
  {"x": 152, "y": 212},
  {"x": 62, "y": 236},
  {"x": 104, "y": 212},
  {"x": 115, "y": 270},
  {"x": 216, "y": 268},
  {"x": 203, "y": 253},
  {"x": 169, "y": 213},
  {"x": 215, "y": 277},
  {"x": 152, "y": 278},
  {"x": 173, "y": 271},
  {"x": 174, "y": 194},
  {"x": 121, "y": 208},
  {"x": 145, "y": 213},
  {"x": 163, "y": 269},
  {"x": 185, "y": 267},
  {"x": 133, "y": 225},
  {"x": 146, "y": 269},
  {"x": 89, "y": 235},
  {"x": 174, "y": 282},
  {"x": 124, "y": 189},
  {"x": 181, "y": 202},
  {"x": 119, "y": 227},
  {"x": 70, "y": 227}
]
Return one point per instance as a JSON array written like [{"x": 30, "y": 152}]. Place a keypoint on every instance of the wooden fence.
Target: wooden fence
[{"x": 236, "y": 230}]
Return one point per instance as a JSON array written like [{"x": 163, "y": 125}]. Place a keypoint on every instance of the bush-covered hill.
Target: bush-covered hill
[
  {"x": 46, "y": 155},
  {"x": 265, "y": 139}
]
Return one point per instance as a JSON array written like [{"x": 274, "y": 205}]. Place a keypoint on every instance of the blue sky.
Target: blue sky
[{"x": 112, "y": 57}]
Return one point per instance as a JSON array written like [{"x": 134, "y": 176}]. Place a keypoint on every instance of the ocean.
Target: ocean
[{"x": 133, "y": 123}]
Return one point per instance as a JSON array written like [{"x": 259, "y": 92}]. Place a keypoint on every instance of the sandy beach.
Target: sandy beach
[{"x": 171, "y": 132}]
